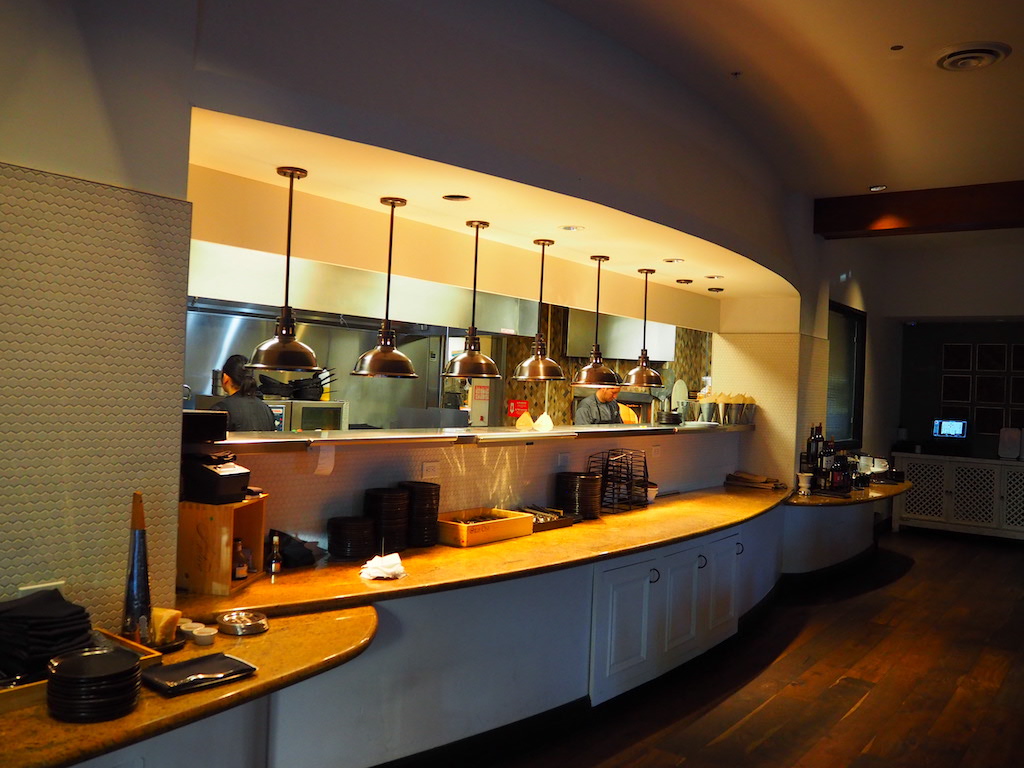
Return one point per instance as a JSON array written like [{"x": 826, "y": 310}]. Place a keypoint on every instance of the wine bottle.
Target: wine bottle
[
  {"x": 239, "y": 565},
  {"x": 137, "y": 606},
  {"x": 274, "y": 566}
]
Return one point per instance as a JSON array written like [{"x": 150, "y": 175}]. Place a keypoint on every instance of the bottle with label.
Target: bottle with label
[
  {"x": 239, "y": 565},
  {"x": 274, "y": 564}
]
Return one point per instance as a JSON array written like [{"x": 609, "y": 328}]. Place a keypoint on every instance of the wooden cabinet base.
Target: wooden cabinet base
[{"x": 205, "y": 535}]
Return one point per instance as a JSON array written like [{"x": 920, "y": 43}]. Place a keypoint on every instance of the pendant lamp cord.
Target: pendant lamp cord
[
  {"x": 476, "y": 255},
  {"x": 645, "y": 312},
  {"x": 540, "y": 294},
  {"x": 391, "y": 240},
  {"x": 288, "y": 245},
  {"x": 597, "y": 303}
]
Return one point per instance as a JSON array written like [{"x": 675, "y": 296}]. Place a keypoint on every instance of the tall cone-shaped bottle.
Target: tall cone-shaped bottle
[{"x": 135, "y": 625}]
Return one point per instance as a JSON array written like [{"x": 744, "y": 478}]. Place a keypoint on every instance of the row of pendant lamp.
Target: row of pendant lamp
[{"x": 285, "y": 353}]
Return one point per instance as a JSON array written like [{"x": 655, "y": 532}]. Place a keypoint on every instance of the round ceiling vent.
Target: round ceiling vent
[{"x": 968, "y": 56}]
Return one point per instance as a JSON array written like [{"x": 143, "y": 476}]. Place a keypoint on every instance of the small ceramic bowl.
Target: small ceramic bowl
[{"x": 204, "y": 635}]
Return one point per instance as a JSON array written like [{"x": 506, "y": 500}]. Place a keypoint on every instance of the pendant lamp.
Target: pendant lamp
[
  {"x": 643, "y": 375},
  {"x": 473, "y": 364},
  {"x": 284, "y": 352},
  {"x": 385, "y": 360},
  {"x": 539, "y": 367},
  {"x": 597, "y": 374}
]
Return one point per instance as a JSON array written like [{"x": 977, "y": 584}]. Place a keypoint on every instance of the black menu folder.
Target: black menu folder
[{"x": 196, "y": 674}]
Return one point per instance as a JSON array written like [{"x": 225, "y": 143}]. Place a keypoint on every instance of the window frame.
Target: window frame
[{"x": 859, "y": 320}]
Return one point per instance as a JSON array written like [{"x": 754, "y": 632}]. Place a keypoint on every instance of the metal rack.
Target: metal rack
[{"x": 624, "y": 478}]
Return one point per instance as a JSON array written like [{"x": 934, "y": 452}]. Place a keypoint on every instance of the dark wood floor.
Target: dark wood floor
[{"x": 915, "y": 660}]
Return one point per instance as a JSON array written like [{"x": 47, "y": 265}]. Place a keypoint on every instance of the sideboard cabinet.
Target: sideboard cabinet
[{"x": 981, "y": 496}]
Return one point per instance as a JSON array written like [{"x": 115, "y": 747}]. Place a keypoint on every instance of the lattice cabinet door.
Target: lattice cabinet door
[
  {"x": 975, "y": 497},
  {"x": 1013, "y": 499},
  {"x": 926, "y": 500}
]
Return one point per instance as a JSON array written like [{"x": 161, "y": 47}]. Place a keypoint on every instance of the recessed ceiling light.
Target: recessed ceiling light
[
  {"x": 673, "y": 261},
  {"x": 684, "y": 281},
  {"x": 877, "y": 188},
  {"x": 716, "y": 290},
  {"x": 714, "y": 277},
  {"x": 456, "y": 198},
  {"x": 572, "y": 227}
]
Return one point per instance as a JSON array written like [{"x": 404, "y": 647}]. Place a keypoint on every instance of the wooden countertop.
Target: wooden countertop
[
  {"x": 332, "y": 585},
  {"x": 874, "y": 492},
  {"x": 299, "y": 645},
  {"x": 293, "y": 649}
]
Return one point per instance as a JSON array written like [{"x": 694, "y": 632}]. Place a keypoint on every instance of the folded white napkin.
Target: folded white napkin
[{"x": 386, "y": 567}]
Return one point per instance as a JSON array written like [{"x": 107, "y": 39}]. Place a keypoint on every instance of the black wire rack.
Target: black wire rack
[{"x": 624, "y": 479}]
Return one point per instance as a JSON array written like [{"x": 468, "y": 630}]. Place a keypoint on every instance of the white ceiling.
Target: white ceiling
[
  {"x": 360, "y": 174},
  {"x": 814, "y": 83},
  {"x": 822, "y": 92}
]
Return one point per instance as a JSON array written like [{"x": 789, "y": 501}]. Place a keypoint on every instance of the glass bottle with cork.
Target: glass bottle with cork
[
  {"x": 239, "y": 565},
  {"x": 275, "y": 560}
]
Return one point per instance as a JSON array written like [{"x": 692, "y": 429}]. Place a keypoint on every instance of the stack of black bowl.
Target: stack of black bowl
[
  {"x": 578, "y": 494},
  {"x": 93, "y": 684},
  {"x": 350, "y": 538},
  {"x": 389, "y": 510},
  {"x": 424, "y": 499},
  {"x": 670, "y": 417}
]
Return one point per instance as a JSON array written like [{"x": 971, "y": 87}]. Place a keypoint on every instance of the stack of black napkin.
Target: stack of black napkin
[{"x": 37, "y": 627}]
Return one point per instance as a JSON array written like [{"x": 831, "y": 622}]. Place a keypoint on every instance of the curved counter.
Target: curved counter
[
  {"x": 322, "y": 616},
  {"x": 292, "y": 650},
  {"x": 824, "y": 532},
  {"x": 338, "y": 585}
]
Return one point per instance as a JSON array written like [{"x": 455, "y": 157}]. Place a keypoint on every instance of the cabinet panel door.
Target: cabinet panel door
[
  {"x": 926, "y": 500},
  {"x": 719, "y": 577},
  {"x": 975, "y": 491},
  {"x": 1013, "y": 499},
  {"x": 622, "y": 631},
  {"x": 677, "y": 626}
]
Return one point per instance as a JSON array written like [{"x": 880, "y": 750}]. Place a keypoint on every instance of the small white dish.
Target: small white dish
[{"x": 204, "y": 635}]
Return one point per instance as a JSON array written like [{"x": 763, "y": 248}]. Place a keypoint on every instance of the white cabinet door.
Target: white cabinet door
[
  {"x": 660, "y": 610},
  {"x": 677, "y": 626},
  {"x": 974, "y": 493},
  {"x": 622, "y": 646},
  {"x": 926, "y": 500},
  {"x": 1012, "y": 492},
  {"x": 718, "y": 572}
]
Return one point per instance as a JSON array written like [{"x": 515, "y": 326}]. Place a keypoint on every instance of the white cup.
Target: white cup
[
  {"x": 204, "y": 635},
  {"x": 804, "y": 483}
]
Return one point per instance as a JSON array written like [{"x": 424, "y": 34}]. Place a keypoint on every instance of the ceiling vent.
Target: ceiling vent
[{"x": 969, "y": 56}]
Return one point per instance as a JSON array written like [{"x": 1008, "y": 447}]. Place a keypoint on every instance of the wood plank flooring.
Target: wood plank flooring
[{"x": 917, "y": 659}]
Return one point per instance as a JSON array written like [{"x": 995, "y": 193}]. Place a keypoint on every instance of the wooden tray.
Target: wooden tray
[
  {"x": 34, "y": 694},
  {"x": 453, "y": 530}
]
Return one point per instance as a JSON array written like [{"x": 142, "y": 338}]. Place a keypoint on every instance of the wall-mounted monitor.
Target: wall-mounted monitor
[{"x": 949, "y": 428}]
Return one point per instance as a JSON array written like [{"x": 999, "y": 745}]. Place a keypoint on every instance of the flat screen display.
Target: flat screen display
[{"x": 949, "y": 428}]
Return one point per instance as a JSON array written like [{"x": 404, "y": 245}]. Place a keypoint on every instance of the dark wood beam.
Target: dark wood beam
[{"x": 922, "y": 211}]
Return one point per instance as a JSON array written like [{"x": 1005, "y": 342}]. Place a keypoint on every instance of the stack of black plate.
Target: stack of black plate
[
  {"x": 424, "y": 499},
  {"x": 578, "y": 494},
  {"x": 389, "y": 510},
  {"x": 93, "y": 684},
  {"x": 350, "y": 538},
  {"x": 670, "y": 417}
]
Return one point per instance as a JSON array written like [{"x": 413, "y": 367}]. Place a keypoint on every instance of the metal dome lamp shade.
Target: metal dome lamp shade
[
  {"x": 385, "y": 360},
  {"x": 643, "y": 375},
  {"x": 473, "y": 364},
  {"x": 596, "y": 373},
  {"x": 539, "y": 367},
  {"x": 284, "y": 352}
]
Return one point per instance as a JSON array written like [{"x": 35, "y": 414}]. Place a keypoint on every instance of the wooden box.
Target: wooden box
[
  {"x": 205, "y": 536},
  {"x": 454, "y": 530}
]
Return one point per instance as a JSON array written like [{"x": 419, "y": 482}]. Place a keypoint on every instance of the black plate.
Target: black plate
[{"x": 94, "y": 664}]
